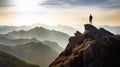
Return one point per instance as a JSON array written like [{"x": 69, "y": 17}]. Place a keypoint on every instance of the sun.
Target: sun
[{"x": 29, "y": 12}]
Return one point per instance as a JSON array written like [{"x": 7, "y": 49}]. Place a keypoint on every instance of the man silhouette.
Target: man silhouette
[{"x": 90, "y": 19}]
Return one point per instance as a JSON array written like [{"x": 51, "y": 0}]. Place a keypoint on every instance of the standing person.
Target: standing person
[{"x": 90, "y": 19}]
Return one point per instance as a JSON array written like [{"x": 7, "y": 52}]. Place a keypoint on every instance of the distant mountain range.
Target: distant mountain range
[
  {"x": 62, "y": 28},
  {"x": 7, "y": 60},
  {"x": 25, "y": 44},
  {"x": 13, "y": 42},
  {"x": 10, "y": 41},
  {"x": 36, "y": 53},
  {"x": 41, "y": 34},
  {"x": 6, "y": 29}
]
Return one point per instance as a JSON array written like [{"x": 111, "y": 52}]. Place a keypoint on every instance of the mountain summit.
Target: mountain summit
[{"x": 93, "y": 48}]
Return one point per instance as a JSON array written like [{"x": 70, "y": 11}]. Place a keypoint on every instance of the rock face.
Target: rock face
[{"x": 94, "y": 48}]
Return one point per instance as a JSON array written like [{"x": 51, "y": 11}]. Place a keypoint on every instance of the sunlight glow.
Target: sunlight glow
[
  {"x": 28, "y": 5},
  {"x": 27, "y": 12},
  {"x": 30, "y": 12}
]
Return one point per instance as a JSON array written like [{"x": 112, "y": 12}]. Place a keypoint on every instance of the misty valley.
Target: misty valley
[{"x": 35, "y": 45}]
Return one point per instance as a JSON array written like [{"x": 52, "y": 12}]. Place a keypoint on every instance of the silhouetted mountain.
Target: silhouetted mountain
[
  {"x": 93, "y": 48},
  {"x": 41, "y": 34},
  {"x": 12, "y": 42},
  {"x": 54, "y": 46},
  {"x": 36, "y": 53},
  {"x": 7, "y": 60}
]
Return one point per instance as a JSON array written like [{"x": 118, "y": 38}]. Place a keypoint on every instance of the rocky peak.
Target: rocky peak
[
  {"x": 94, "y": 33},
  {"x": 101, "y": 31},
  {"x": 90, "y": 28},
  {"x": 105, "y": 33},
  {"x": 93, "y": 48}
]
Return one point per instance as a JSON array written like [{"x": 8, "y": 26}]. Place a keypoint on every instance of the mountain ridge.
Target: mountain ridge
[
  {"x": 41, "y": 34},
  {"x": 93, "y": 48},
  {"x": 12, "y": 42},
  {"x": 37, "y": 53}
]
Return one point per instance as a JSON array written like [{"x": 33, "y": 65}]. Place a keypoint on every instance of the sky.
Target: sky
[{"x": 64, "y": 12}]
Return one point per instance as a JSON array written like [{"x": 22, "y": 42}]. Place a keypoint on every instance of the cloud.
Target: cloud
[
  {"x": 111, "y": 4},
  {"x": 73, "y": 2},
  {"x": 6, "y": 3},
  {"x": 76, "y": 3}
]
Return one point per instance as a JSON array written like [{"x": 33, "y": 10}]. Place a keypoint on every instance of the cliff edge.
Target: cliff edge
[{"x": 93, "y": 48}]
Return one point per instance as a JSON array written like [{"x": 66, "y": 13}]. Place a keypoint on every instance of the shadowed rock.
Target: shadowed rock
[{"x": 94, "y": 48}]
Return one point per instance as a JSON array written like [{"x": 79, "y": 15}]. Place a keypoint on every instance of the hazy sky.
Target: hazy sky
[{"x": 65, "y": 12}]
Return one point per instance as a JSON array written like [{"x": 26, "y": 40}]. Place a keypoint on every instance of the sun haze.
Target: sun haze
[{"x": 54, "y": 12}]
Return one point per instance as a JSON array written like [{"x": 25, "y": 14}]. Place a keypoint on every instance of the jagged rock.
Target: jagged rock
[
  {"x": 73, "y": 40},
  {"x": 105, "y": 33},
  {"x": 77, "y": 34},
  {"x": 94, "y": 48},
  {"x": 90, "y": 28}
]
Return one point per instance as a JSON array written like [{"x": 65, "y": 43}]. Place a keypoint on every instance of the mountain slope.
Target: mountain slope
[
  {"x": 13, "y": 42},
  {"x": 42, "y": 34},
  {"x": 7, "y": 60},
  {"x": 36, "y": 53},
  {"x": 54, "y": 46},
  {"x": 94, "y": 48}
]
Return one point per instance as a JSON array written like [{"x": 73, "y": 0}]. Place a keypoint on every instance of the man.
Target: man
[{"x": 90, "y": 19}]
